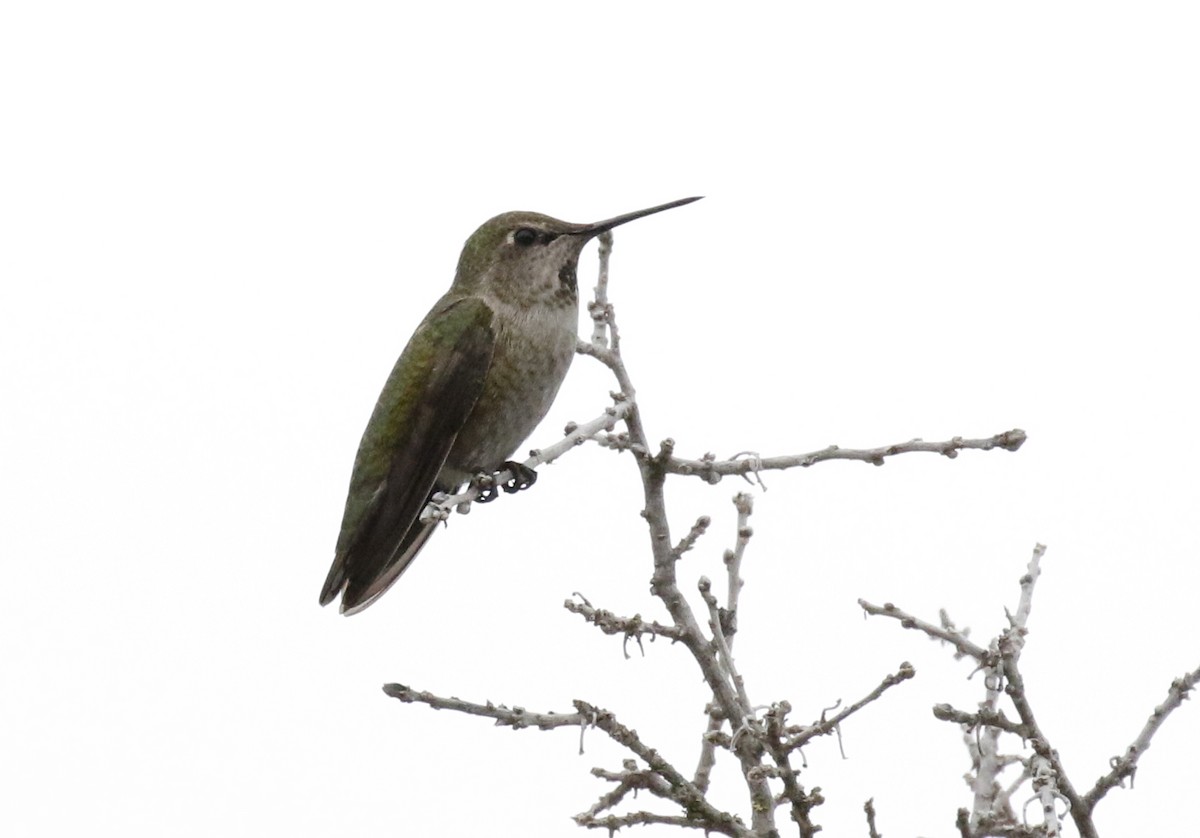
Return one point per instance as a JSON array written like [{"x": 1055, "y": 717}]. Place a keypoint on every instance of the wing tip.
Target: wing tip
[
  {"x": 352, "y": 601},
  {"x": 335, "y": 582}
]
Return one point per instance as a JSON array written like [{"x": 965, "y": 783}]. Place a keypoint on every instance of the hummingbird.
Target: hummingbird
[{"x": 477, "y": 376}]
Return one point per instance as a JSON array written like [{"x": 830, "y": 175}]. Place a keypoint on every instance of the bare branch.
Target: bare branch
[
  {"x": 1126, "y": 766},
  {"x": 948, "y": 635},
  {"x": 827, "y": 726},
  {"x": 948, "y": 625},
  {"x": 677, "y": 788},
  {"x": 614, "y": 822},
  {"x": 869, "y": 808},
  {"x": 1032, "y": 572},
  {"x": 725, "y": 656},
  {"x": 689, "y": 540},
  {"x": 1051, "y": 776},
  {"x": 598, "y": 307},
  {"x": 681, "y": 790},
  {"x": 709, "y": 740},
  {"x": 515, "y": 717},
  {"x": 744, "y": 504},
  {"x": 664, "y": 583},
  {"x": 630, "y": 779},
  {"x": 1045, "y": 787},
  {"x": 610, "y": 623},
  {"x": 802, "y": 802},
  {"x": 986, "y": 717},
  {"x": 712, "y": 470},
  {"x": 989, "y": 803}
]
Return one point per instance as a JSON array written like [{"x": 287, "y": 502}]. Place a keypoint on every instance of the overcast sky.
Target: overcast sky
[{"x": 220, "y": 222}]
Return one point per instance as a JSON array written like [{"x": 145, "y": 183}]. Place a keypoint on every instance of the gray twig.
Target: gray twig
[
  {"x": 947, "y": 635},
  {"x": 801, "y": 736},
  {"x": 631, "y": 627},
  {"x": 1126, "y": 765},
  {"x": 712, "y": 470}
]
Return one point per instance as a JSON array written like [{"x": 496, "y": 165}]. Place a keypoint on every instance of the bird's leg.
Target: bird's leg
[{"x": 523, "y": 477}]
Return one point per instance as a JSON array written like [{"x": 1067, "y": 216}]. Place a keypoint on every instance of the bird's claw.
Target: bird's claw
[
  {"x": 488, "y": 489},
  {"x": 523, "y": 477},
  {"x": 485, "y": 486}
]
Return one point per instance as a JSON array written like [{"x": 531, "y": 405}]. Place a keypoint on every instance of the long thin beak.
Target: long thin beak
[{"x": 598, "y": 227}]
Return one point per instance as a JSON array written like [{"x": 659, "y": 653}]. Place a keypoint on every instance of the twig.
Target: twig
[
  {"x": 1032, "y": 572},
  {"x": 598, "y": 307},
  {"x": 1126, "y": 766},
  {"x": 677, "y": 788},
  {"x": 1053, "y": 778},
  {"x": 744, "y": 504},
  {"x": 712, "y": 470},
  {"x": 725, "y": 656},
  {"x": 689, "y": 540},
  {"x": 869, "y": 808},
  {"x": 948, "y": 635},
  {"x": 514, "y": 717},
  {"x": 802, "y": 802},
  {"x": 827, "y": 726},
  {"x": 986, "y": 717},
  {"x": 612, "y": 823},
  {"x": 630, "y": 779},
  {"x": 708, "y": 748},
  {"x": 986, "y": 754},
  {"x": 695, "y": 805},
  {"x": 610, "y": 623},
  {"x": 1045, "y": 787}
]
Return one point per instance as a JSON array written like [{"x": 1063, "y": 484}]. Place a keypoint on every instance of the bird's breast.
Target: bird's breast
[{"x": 533, "y": 351}]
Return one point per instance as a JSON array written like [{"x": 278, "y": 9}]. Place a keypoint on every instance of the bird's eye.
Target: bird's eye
[{"x": 525, "y": 236}]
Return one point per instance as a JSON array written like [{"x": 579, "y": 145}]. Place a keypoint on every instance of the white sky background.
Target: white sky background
[{"x": 220, "y": 223}]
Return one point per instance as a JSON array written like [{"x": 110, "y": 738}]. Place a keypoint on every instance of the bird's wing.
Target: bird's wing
[{"x": 423, "y": 406}]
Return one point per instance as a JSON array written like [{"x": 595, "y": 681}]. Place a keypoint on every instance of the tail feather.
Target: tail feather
[{"x": 360, "y": 593}]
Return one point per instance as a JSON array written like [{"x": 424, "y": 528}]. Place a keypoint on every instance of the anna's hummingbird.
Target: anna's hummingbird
[{"x": 476, "y": 378}]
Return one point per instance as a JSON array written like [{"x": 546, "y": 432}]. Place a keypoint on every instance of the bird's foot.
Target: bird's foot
[
  {"x": 523, "y": 477},
  {"x": 487, "y": 488}
]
